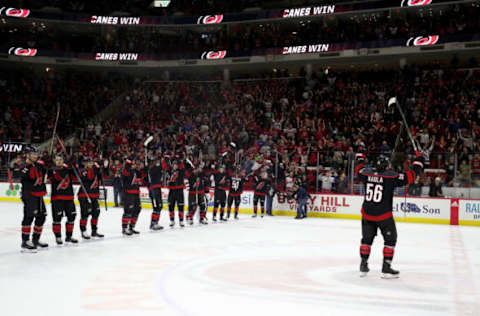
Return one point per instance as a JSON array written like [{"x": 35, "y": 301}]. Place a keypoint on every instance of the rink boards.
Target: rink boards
[{"x": 418, "y": 210}]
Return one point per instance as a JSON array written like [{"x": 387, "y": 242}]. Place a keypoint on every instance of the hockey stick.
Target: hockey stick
[
  {"x": 54, "y": 130},
  {"x": 75, "y": 171},
  {"x": 145, "y": 144},
  {"x": 393, "y": 100},
  {"x": 105, "y": 165},
  {"x": 407, "y": 129},
  {"x": 10, "y": 179}
]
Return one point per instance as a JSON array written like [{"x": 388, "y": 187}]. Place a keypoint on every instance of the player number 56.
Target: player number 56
[{"x": 374, "y": 192}]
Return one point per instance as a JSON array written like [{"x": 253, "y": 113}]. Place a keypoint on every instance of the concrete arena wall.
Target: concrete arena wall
[{"x": 449, "y": 211}]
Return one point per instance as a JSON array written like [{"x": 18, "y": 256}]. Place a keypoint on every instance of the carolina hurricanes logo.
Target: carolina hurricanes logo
[
  {"x": 94, "y": 184},
  {"x": 197, "y": 183},
  {"x": 222, "y": 181},
  {"x": 260, "y": 186},
  {"x": 19, "y": 51},
  {"x": 174, "y": 177},
  {"x": 38, "y": 177},
  {"x": 214, "y": 54},
  {"x": 17, "y": 13},
  {"x": 412, "y": 3},
  {"x": 63, "y": 185},
  {"x": 423, "y": 40},
  {"x": 136, "y": 180},
  {"x": 210, "y": 19}
]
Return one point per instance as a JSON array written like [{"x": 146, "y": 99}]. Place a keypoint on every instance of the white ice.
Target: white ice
[{"x": 262, "y": 266}]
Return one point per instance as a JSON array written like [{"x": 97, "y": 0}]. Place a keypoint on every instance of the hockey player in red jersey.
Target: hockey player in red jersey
[
  {"x": 176, "y": 186},
  {"x": 133, "y": 176},
  {"x": 221, "y": 180},
  {"x": 155, "y": 179},
  {"x": 261, "y": 188},
  {"x": 235, "y": 191},
  {"x": 90, "y": 177},
  {"x": 198, "y": 187},
  {"x": 61, "y": 177},
  {"x": 379, "y": 184},
  {"x": 32, "y": 174}
]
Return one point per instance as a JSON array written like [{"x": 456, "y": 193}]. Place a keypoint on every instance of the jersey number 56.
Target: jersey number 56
[{"x": 374, "y": 192}]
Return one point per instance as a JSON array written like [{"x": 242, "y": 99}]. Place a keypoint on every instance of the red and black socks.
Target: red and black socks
[
  {"x": 57, "y": 229},
  {"x": 365, "y": 251}
]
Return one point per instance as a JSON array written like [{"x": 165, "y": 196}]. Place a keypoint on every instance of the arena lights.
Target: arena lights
[
  {"x": 19, "y": 51},
  {"x": 160, "y": 3}
]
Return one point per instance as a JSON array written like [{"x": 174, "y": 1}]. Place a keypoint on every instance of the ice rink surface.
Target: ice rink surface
[{"x": 270, "y": 266}]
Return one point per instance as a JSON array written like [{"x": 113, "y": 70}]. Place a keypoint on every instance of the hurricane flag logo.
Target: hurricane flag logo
[
  {"x": 19, "y": 51},
  {"x": 413, "y": 3},
  {"x": 214, "y": 54},
  {"x": 210, "y": 19},
  {"x": 423, "y": 40},
  {"x": 16, "y": 13}
]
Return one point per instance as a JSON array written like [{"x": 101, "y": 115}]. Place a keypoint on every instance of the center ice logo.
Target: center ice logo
[{"x": 13, "y": 192}]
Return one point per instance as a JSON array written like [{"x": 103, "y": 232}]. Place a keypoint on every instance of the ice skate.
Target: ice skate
[
  {"x": 126, "y": 232},
  {"x": 364, "y": 268},
  {"x": 28, "y": 247},
  {"x": 172, "y": 223},
  {"x": 203, "y": 221},
  {"x": 96, "y": 234},
  {"x": 70, "y": 241},
  {"x": 40, "y": 245},
  {"x": 59, "y": 241},
  {"x": 388, "y": 272},
  {"x": 85, "y": 236},
  {"x": 155, "y": 227},
  {"x": 133, "y": 231}
]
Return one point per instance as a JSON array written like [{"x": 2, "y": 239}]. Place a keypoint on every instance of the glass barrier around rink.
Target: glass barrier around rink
[{"x": 446, "y": 174}]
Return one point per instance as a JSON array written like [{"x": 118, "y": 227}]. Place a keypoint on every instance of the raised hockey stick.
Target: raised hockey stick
[
  {"x": 54, "y": 129},
  {"x": 393, "y": 100},
  {"x": 105, "y": 165},
  {"x": 407, "y": 129},
  {"x": 10, "y": 179},
  {"x": 75, "y": 171},
  {"x": 145, "y": 144}
]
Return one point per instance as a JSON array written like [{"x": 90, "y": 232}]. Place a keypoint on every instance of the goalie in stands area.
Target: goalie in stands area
[{"x": 379, "y": 184}]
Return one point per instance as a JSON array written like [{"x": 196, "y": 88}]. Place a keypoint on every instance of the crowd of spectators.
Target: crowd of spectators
[
  {"x": 30, "y": 99},
  {"x": 307, "y": 128},
  {"x": 387, "y": 25}
]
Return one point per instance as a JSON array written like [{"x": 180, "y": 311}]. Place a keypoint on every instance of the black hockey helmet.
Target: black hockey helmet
[{"x": 382, "y": 163}]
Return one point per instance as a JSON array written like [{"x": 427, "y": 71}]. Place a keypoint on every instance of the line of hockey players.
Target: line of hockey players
[{"x": 174, "y": 171}]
